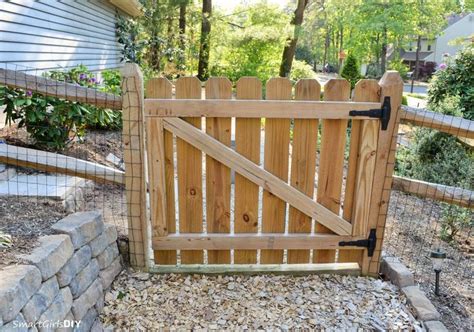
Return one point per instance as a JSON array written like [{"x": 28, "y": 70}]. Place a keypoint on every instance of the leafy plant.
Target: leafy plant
[
  {"x": 455, "y": 80},
  {"x": 351, "y": 70},
  {"x": 5, "y": 240},
  {"x": 453, "y": 220},
  {"x": 300, "y": 69},
  {"x": 399, "y": 66}
]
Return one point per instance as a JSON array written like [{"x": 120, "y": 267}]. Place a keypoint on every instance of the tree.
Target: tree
[
  {"x": 351, "y": 70},
  {"x": 290, "y": 47},
  {"x": 204, "y": 45}
]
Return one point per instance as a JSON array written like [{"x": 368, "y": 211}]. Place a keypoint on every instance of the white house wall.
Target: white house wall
[
  {"x": 464, "y": 28},
  {"x": 51, "y": 34}
]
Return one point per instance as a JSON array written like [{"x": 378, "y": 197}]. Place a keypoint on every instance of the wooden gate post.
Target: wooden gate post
[
  {"x": 134, "y": 158},
  {"x": 392, "y": 86}
]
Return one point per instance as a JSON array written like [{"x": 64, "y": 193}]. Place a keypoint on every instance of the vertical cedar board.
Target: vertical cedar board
[
  {"x": 331, "y": 161},
  {"x": 303, "y": 164},
  {"x": 162, "y": 88},
  {"x": 190, "y": 174},
  {"x": 276, "y": 160},
  {"x": 217, "y": 174},
  {"x": 247, "y": 143},
  {"x": 392, "y": 85},
  {"x": 369, "y": 91}
]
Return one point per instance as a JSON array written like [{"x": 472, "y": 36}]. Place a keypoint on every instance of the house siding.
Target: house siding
[{"x": 50, "y": 34}]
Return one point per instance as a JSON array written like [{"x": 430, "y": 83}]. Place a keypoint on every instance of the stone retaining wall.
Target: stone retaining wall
[{"x": 64, "y": 280}]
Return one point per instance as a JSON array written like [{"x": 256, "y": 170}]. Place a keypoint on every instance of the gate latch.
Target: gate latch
[
  {"x": 369, "y": 243},
  {"x": 383, "y": 113}
]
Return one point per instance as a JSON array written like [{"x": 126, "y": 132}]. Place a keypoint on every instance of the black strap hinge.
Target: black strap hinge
[
  {"x": 383, "y": 113},
  {"x": 369, "y": 243}
]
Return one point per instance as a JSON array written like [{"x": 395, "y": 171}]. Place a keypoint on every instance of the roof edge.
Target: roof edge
[{"x": 130, "y": 7}]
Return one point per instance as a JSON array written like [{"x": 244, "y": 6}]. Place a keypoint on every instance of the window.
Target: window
[{"x": 429, "y": 47}]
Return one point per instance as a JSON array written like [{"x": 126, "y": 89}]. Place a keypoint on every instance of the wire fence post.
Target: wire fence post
[
  {"x": 134, "y": 159},
  {"x": 392, "y": 86}
]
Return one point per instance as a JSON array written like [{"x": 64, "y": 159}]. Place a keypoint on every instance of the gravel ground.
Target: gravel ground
[{"x": 139, "y": 301}]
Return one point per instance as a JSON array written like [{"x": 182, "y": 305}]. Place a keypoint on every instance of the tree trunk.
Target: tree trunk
[
  {"x": 383, "y": 55},
  {"x": 204, "y": 45},
  {"x": 290, "y": 47},
  {"x": 182, "y": 36},
  {"x": 341, "y": 48},
  {"x": 326, "y": 48},
  {"x": 414, "y": 76}
]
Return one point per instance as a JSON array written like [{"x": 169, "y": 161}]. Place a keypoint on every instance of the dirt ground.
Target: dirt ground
[{"x": 412, "y": 232}]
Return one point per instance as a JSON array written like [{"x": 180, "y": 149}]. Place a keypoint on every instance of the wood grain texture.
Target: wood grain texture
[
  {"x": 365, "y": 90},
  {"x": 452, "y": 195},
  {"x": 57, "y": 163},
  {"x": 190, "y": 174},
  {"x": 247, "y": 143},
  {"x": 276, "y": 161},
  {"x": 63, "y": 90},
  {"x": 133, "y": 136},
  {"x": 303, "y": 164},
  {"x": 256, "y": 174},
  {"x": 162, "y": 88},
  {"x": 287, "y": 109},
  {"x": 392, "y": 85},
  {"x": 251, "y": 241},
  {"x": 217, "y": 174},
  {"x": 331, "y": 162}
]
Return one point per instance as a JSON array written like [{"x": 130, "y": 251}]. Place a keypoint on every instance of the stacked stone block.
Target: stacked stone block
[{"x": 64, "y": 279}]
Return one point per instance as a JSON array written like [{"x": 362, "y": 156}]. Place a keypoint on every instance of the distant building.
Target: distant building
[
  {"x": 460, "y": 28},
  {"x": 43, "y": 35}
]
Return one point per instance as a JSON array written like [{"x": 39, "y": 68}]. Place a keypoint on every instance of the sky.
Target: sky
[{"x": 229, "y": 5}]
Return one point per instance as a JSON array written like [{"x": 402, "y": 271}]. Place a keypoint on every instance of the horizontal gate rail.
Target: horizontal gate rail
[
  {"x": 222, "y": 241},
  {"x": 254, "y": 173},
  {"x": 295, "y": 109},
  {"x": 254, "y": 269}
]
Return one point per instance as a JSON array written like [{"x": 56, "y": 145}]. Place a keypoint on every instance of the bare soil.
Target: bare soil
[{"x": 412, "y": 232}]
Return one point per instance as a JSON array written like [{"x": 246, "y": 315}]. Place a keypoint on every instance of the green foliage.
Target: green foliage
[
  {"x": 455, "y": 80},
  {"x": 5, "y": 240},
  {"x": 252, "y": 45},
  {"x": 52, "y": 122},
  {"x": 300, "y": 69},
  {"x": 453, "y": 220},
  {"x": 404, "y": 100},
  {"x": 351, "y": 70},
  {"x": 399, "y": 66}
]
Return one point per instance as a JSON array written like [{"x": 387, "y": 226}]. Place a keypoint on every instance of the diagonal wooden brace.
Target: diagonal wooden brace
[{"x": 259, "y": 176}]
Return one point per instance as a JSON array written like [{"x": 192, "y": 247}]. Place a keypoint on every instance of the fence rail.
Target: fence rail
[
  {"x": 448, "y": 124},
  {"x": 58, "y": 89}
]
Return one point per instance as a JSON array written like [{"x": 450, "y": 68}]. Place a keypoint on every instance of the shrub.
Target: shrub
[
  {"x": 351, "y": 70},
  {"x": 399, "y": 66},
  {"x": 455, "y": 80},
  {"x": 453, "y": 220},
  {"x": 300, "y": 69},
  {"x": 54, "y": 122}
]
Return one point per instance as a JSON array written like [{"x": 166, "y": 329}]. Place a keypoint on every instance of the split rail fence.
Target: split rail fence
[{"x": 288, "y": 207}]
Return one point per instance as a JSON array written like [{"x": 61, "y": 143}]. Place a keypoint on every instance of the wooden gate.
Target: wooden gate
[{"x": 237, "y": 181}]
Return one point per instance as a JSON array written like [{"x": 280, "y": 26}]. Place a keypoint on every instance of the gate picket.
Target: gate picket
[
  {"x": 303, "y": 164},
  {"x": 217, "y": 174},
  {"x": 277, "y": 141},
  {"x": 162, "y": 88},
  {"x": 361, "y": 134},
  {"x": 331, "y": 161},
  {"x": 247, "y": 143},
  {"x": 189, "y": 174}
]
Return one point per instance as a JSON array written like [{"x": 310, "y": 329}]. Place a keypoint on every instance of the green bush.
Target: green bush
[
  {"x": 455, "y": 80},
  {"x": 453, "y": 220},
  {"x": 351, "y": 70},
  {"x": 52, "y": 122},
  {"x": 300, "y": 69},
  {"x": 399, "y": 66}
]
